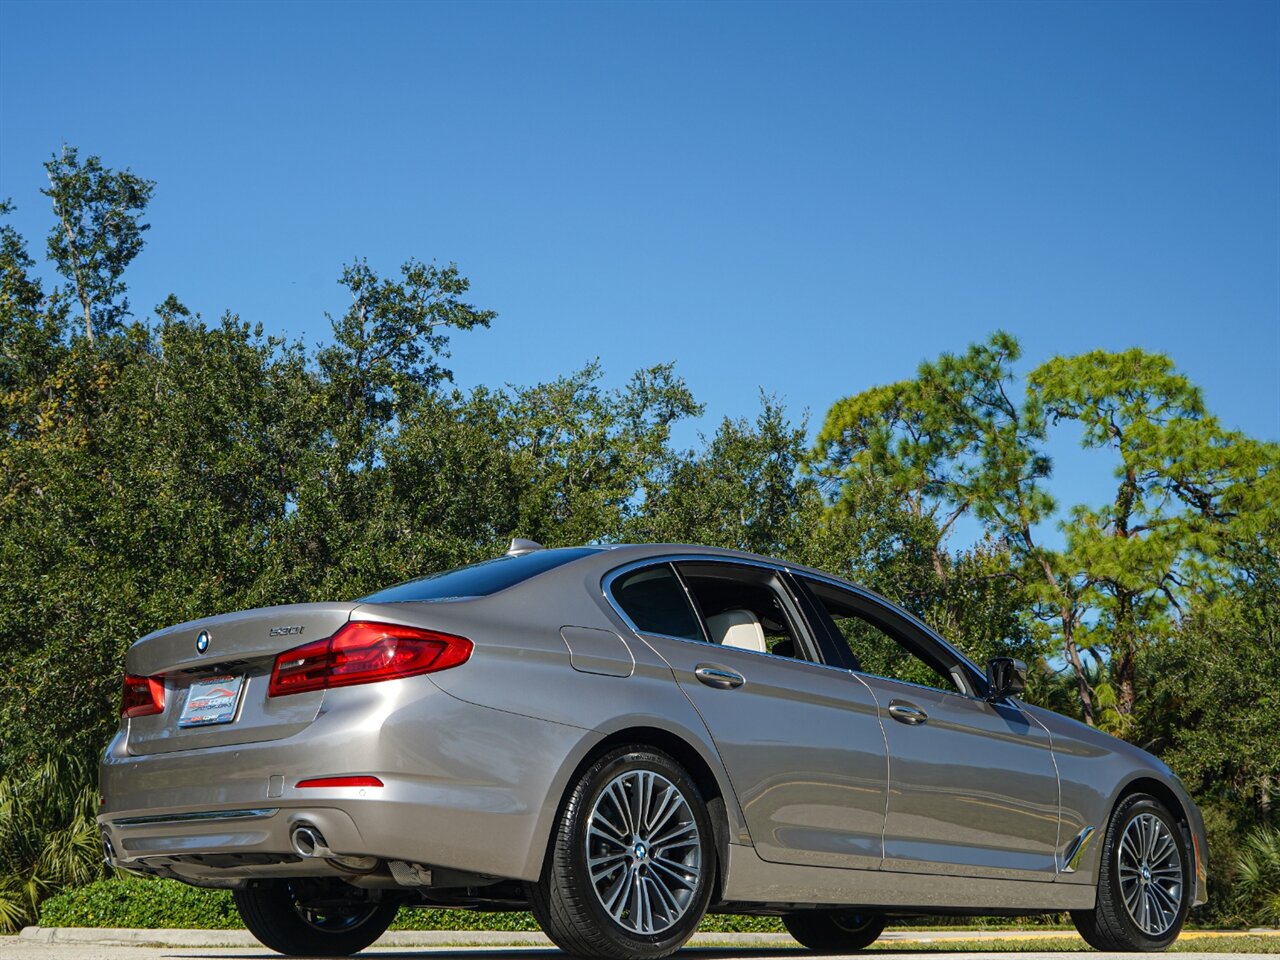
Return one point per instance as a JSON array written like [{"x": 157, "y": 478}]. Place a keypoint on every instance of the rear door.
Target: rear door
[
  {"x": 973, "y": 785},
  {"x": 799, "y": 738}
]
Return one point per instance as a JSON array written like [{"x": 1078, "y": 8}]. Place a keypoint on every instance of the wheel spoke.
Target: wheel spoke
[
  {"x": 664, "y": 811},
  {"x": 643, "y": 916},
  {"x": 601, "y": 867},
  {"x": 1159, "y": 916},
  {"x": 1131, "y": 893},
  {"x": 665, "y": 898},
  {"x": 618, "y": 794},
  {"x": 1168, "y": 899},
  {"x": 617, "y": 893},
  {"x": 684, "y": 832},
  {"x": 637, "y": 802},
  {"x": 682, "y": 873},
  {"x": 1163, "y": 847},
  {"x": 600, "y": 818}
]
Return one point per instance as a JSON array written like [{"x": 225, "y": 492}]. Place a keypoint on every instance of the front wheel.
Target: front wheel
[
  {"x": 1143, "y": 881},
  {"x": 313, "y": 918},
  {"x": 632, "y": 860},
  {"x": 834, "y": 931}
]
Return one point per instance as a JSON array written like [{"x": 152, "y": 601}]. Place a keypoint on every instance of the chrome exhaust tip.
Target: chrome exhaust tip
[
  {"x": 307, "y": 841},
  {"x": 108, "y": 849}
]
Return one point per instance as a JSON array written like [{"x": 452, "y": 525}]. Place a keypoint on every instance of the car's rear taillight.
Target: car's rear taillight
[
  {"x": 365, "y": 652},
  {"x": 142, "y": 697}
]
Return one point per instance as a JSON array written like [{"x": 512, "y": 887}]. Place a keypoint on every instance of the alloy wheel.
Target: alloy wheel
[
  {"x": 644, "y": 851},
  {"x": 1150, "y": 874}
]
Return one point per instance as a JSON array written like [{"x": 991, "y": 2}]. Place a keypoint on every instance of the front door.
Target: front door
[{"x": 973, "y": 788}]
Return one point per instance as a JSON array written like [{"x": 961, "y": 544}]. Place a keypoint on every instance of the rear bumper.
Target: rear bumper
[{"x": 465, "y": 788}]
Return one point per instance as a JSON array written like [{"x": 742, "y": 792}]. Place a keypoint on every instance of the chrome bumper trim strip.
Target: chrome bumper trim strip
[{"x": 194, "y": 817}]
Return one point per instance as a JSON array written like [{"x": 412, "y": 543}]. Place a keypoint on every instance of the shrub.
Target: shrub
[
  {"x": 124, "y": 901},
  {"x": 1258, "y": 875}
]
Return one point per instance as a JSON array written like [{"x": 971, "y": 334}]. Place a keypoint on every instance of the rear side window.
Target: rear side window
[
  {"x": 656, "y": 603},
  {"x": 479, "y": 579}
]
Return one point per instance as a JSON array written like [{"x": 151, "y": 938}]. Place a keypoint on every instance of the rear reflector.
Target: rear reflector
[
  {"x": 340, "y": 782},
  {"x": 142, "y": 696},
  {"x": 365, "y": 652}
]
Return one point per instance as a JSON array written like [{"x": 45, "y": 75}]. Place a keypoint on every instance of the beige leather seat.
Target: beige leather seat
[{"x": 737, "y": 628}]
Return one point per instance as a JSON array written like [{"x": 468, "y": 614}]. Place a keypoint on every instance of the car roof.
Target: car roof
[{"x": 618, "y": 554}]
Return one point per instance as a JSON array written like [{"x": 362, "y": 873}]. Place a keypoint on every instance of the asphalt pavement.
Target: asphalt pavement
[{"x": 105, "y": 944}]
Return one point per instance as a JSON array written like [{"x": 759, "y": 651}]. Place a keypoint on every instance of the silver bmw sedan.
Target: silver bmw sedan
[{"x": 622, "y": 739}]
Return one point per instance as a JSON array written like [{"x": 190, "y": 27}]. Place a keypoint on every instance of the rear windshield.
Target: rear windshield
[{"x": 479, "y": 579}]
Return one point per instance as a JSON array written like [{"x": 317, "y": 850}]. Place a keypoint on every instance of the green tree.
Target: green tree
[
  {"x": 922, "y": 453},
  {"x": 1163, "y": 535},
  {"x": 1218, "y": 671},
  {"x": 31, "y": 332},
  {"x": 741, "y": 490},
  {"x": 957, "y": 439},
  {"x": 97, "y": 233}
]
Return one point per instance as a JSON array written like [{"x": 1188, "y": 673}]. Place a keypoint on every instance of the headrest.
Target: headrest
[{"x": 737, "y": 628}]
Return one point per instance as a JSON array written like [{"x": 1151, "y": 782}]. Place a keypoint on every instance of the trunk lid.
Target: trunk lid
[{"x": 230, "y": 675}]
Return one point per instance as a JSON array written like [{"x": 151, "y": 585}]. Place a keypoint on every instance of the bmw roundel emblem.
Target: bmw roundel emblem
[{"x": 202, "y": 641}]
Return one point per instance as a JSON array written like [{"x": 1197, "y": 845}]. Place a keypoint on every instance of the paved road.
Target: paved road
[
  {"x": 11, "y": 948},
  {"x": 238, "y": 945}
]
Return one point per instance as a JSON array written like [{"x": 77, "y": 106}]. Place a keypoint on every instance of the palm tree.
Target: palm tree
[
  {"x": 1258, "y": 875},
  {"x": 48, "y": 838}
]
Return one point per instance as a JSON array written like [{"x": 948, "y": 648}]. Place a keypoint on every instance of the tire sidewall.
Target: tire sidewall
[
  {"x": 581, "y": 803},
  {"x": 1127, "y": 813},
  {"x": 829, "y": 931},
  {"x": 269, "y": 910}
]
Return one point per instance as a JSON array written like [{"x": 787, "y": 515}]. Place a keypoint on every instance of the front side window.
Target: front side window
[
  {"x": 882, "y": 646},
  {"x": 655, "y": 602}
]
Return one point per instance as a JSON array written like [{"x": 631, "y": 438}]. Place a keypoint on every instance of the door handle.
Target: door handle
[
  {"x": 905, "y": 712},
  {"x": 721, "y": 678}
]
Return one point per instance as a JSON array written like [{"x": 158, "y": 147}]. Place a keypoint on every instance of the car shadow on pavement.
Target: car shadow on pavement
[{"x": 491, "y": 953}]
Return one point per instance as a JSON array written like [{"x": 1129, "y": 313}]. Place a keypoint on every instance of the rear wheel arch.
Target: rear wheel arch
[{"x": 682, "y": 752}]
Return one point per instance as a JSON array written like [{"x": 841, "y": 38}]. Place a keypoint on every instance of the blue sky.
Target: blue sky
[{"x": 804, "y": 198}]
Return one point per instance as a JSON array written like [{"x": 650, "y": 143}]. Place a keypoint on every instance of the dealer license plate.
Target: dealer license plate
[{"x": 211, "y": 701}]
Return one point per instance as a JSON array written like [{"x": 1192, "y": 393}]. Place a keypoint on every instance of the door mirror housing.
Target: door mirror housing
[{"x": 1006, "y": 677}]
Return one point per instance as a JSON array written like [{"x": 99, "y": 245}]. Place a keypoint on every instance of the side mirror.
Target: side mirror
[{"x": 1006, "y": 677}]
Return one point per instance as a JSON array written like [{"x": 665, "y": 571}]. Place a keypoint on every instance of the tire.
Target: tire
[
  {"x": 605, "y": 916},
  {"x": 1143, "y": 898},
  {"x": 313, "y": 918},
  {"x": 834, "y": 931}
]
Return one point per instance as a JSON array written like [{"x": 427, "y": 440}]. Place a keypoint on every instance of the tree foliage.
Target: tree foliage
[
  {"x": 958, "y": 440},
  {"x": 97, "y": 231}
]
